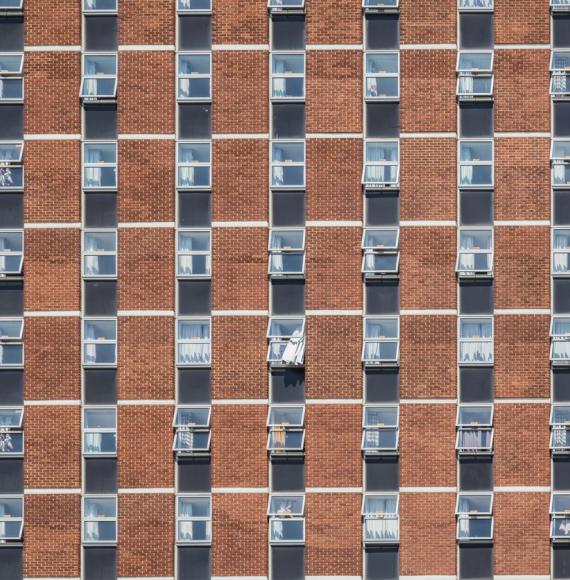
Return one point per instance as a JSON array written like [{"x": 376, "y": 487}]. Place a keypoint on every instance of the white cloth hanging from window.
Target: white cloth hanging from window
[
  {"x": 93, "y": 442},
  {"x": 294, "y": 352}
]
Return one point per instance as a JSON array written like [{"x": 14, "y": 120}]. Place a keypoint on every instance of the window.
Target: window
[
  {"x": 194, "y": 32},
  {"x": 194, "y": 253},
  {"x": 288, "y": 120},
  {"x": 194, "y": 474},
  {"x": 381, "y": 341},
  {"x": 286, "y": 341},
  {"x": 194, "y": 166},
  {"x": 560, "y": 426},
  {"x": 11, "y": 252},
  {"x": 382, "y": 297},
  {"x": 382, "y": 119},
  {"x": 475, "y": 254},
  {"x": 99, "y": 165},
  {"x": 382, "y": 31},
  {"x": 194, "y": 519},
  {"x": 560, "y": 516},
  {"x": 99, "y": 254},
  {"x": 475, "y": 340},
  {"x": 560, "y": 156},
  {"x": 194, "y": 5},
  {"x": 288, "y": 297},
  {"x": 99, "y": 76},
  {"x": 11, "y": 345},
  {"x": 288, "y": 32},
  {"x": 476, "y": 473},
  {"x": 382, "y": 164},
  {"x": 99, "y": 520},
  {"x": 382, "y": 75},
  {"x": 100, "y": 34},
  {"x": 476, "y": 119},
  {"x": 476, "y": 207},
  {"x": 194, "y": 297},
  {"x": 476, "y": 30},
  {"x": 474, "y": 429},
  {"x": 475, "y": 163},
  {"x": 287, "y": 208},
  {"x": 278, "y": 5},
  {"x": 11, "y": 4},
  {"x": 99, "y": 6},
  {"x": 100, "y": 342},
  {"x": 195, "y": 209},
  {"x": 11, "y": 434},
  {"x": 287, "y": 76},
  {"x": 474, "y": 74},
  {"x": 559, "y": 69},
  {"x": 286, "y": 521},
  {"x": 11, "y": 81},
  {"x": 100, "y": 298},
  {"x": 560, "y": 251},
  {"x": 100, "y": 122},
  {"x": 100, "y": 431},
  {"x": 192, "y": 429},
  {"x": 474, "y": 516},
  {"x": 475, "y": 4},
  {"x": 194, "y": 76},
  {"x": 381, "y": 431},
  {"x": 286, "y": 431},
  {"x": 288, "y": 164},
  {"x": 287, "y": 473},
  {"x": 380, "y": 3},
  {"x": 559, "y": 4},
  {"x": 560, "y": 340},
  {"x": 381, "y": 519},
  {"x": 100, "y": 209},
  {"x": 193, "y": 342},
  {"x": 11, "y": 518},
  {"x": 382, "y": 385},
  {"x": 100, "y": 562},
  {"x": 11, "y": 208},
  {"x": 382, "y": 208},
  {"x": 381, "y": 255},
  {"x": 195, "y": 120},
  {"x": 11, "y": 170},
  {"x": 476, "y": 296},
  {"x": 287, "y": 385},
  {"x": 286, "y": 252},
  {"x": 12, "y": 387},
  {"x": 100, "y": 475}
]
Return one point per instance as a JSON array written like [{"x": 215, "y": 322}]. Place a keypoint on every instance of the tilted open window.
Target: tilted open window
[
  {"x": 194, "y": 165},
  {"x": 474, "y": 429},
  {"x": 474, "y": 75},
  {"x": 560, "y": 340},
  {"x": 100, "y": 519},
  {"x": 560, "y": 73},
  {"x": 11, "y": 518},
  {"x": 560, "y": 157},
  {"x": 100, "y": 342},
  {"x": 194, "y": 519},
  {"x": 100, "y": 253},
  {"x": 193, "y": 342},
  {"x": 194, "y": 253},
  {"x": 380, "y": 5},
  {"x": 286, "y": 431},
  {"x": 99, "y": 81},
  {"x": 560, "y": 429},
  {"x": 192, "y": 430},
  {"x": 287, "y": 252},
  {"x": 381, "y": 518},
  {"x": 11, "y": 79},
  {"x": 381, "y": 429},
  {"x": 475, "y": 252},
  {"x": 286, "y": 521},
  {"x": 11, "y": 251},
  {"x": 100, "y": 431},
  {"x": 11, "y": 433},
  {"x": 382, "y": 76},
  {"x": 11, "y": 170},
  {"x": 476, "y": 340},
  {"x": 381, "y": 164},
  {"x": 286, "y": 341},
  {"x": 195, "y": 76},
  {"x": 11, "y": 342},
  {"x": 381, "y": 251},
  {"x": 474, "y": 516},
  {"x": 381, "y": 341},
  {"x": 288, "y": 76}
]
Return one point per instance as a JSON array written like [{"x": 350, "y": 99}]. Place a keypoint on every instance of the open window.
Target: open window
[
  {"x": 559, "y": 73},
  {"x": 381, "y": 251},
  {"x": 475, "y": 5},
  {"x": 11, "y": 252},
  {"x": 381, "y": 429},
  {"x": 475, "y": 252},
  {"x": 286, "y": 519},
  {"x": 474, "y": 513},
  {"x": 560, "y": 517},
  {"x": 194, "y": 6},
  {"x": 474, "y": 429},
  {"x": 194, "y": 519},
  {"x": 100, "y": 342},
  {"x": 100, "y": 431},
  {"x": 288, "y": 164},
  {"x": 99, "y": 254},
  {"x": 474, "y": 75},
  {"x": 195, "y": 76},
  {"x": 382, "y": 80},
  {"x": 11, "y": 79},
  {"x": 560, "y": 340},
  {"x": 286, "y": 432},
  {"x": 476, "y": 340},
  {"x": 381, "y": 518},
  {"x": 194, "y": 253},
  {"x": 11, "y": 433},
  {"x": 99, "y": 165},
  {"x": 11, "y": 170},
  {"x": 287, "y": 76},
  {"x": 560, "y": 429},
  {"x": 475, "y": 163},
  {"x": 560, "y": 157},
  {"x": 100, "y": 519},
  {"x": 381, "y": 164},
  {"x": 11, "y": 342},
  {"x": 287, "y": 252},
  {"x": 16, "y": 5},
  {"x": 193, "y": 342},
  {"x": 99, "y": 6},
  {"x": 286, "y": 341},
  {"x": 194, "y": 165},
  {"x": 99, "y": 80},
  {"x": 286, "y": 5},
  {"x": 192, "y": 430},
  {"x": 11, "y": 518},
  {"x": 381, "y": 341}
]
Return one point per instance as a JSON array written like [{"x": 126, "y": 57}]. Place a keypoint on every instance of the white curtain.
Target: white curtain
[
  {"x": 187, "y": 177},
  {"x": 90, "y": 84},
  {"x": 294, "y": 352},
  {"x": 280, "y": 84},
  {"x": 475, "y": 439},
  {"x": 194, "y": 352},
  {"x": 559, "y": 437},
  {"x": 561, "y": 242},
  {"x": 93, "y": 174},
  {"x": 91, "y": 262},
  {"x": 277, "y": 257},
  {"x": 3, "y": 246},
  {"x": 186, "y": 528},
  {"x": 90, "y": 4},
  {"x": 185, "y": 438},
  {"x": 185, "y": 3},
  {"x": 186, "y": 262},
  {"x": 6, "y": 179},
  {"x": 467, "y": 261},
  {"x": 278, "y": 171},
  {"x": 91, "y": 527},
  {"x": 90, "y": 348},
  {"x": 559, "y": 170},
  {"x": 477, "y": 351},
  {"x": 380, "y": 528},
  {"x": 93, "y": 442},
  {"x": 465, "y": 84},
  {"x": 372, "y": 438},
  {"x": 6, "y": 444},
  {"x": 3, "y": 513}
]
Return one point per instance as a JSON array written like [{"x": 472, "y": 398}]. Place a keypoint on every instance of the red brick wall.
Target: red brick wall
[
  {"x": 334, "y": 22},
  {"x": 147, "y": 23},
  {"x": 522, "y": 22},
  {"x": 423, "y": 22},
  {"x": 49, "y": 27},
  {"x": 238, "y": 23}
]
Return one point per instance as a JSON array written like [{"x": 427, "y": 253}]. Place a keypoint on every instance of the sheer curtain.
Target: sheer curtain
[
  {"x": 373, "y": 349},
  {"x": 559, "y": 437},
  {"x": 186, "y": 528},
  {"x": 91, "y": 262},
  {"x": 463, "y": 519},
  {"x": 561, "y": 242},
  {"x": 3, "y": 513},
  {"x": 467, "y": 261},
  {"x": 93, "y": 174},
  {"x": 194, "y": 352},
  {"x": 3, "y": 246},
  {"x": 93, "y": 442},
  {"x": 465, "y": 84},
  {"x": 280, "y": 84},
  {"x": 386, "y": 173},
  {"x": 381, "y": 528},
  {"x": 6, "y": 444},
  {"x": 474, "y": 350},
  {"x": 559, "y": 173},
  {"x": 475, "y": 438},
  {"x": 91, "y": 527},
  {"x": 186, "y": 174},
  {"x": 277, "y": 257},
  {"x": 560, "y": 82},
  {"x": 90, "y": 86},
  {"x": 294, "y": 352},
  {"x": 186, "y": 260},
  {"x": 90, "y": 348},
  {"x": 561, "y": 348},
  {"x": 466, "y": 171},
  {"x": 278, "y": 172}
]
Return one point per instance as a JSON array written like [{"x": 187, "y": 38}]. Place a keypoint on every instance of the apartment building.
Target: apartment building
[{"x": 284, "y": 289}]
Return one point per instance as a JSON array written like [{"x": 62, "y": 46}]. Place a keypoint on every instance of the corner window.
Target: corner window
[
  {"x": 381, "y": 164},
  {"x": 194, "y": 167},
  {"x": 475, "y": 340},
  {"x": 11, "y": 342},
  {"x": 475, "y": 254},
  {"x": 194, "y": 5},
  {"x": 560, "y": 428},
  {"x": 11, "y": 170},
  {"x": 99, "y": 520},
  {"x": 194, "y": 519},
  {"x": 100, "y": 431},
  {"x": 194, "y": 253},
  {"x": 286, "y": 341},
  {"x": 286, "y": 432},
  {"x": 194, "y": 77},
  {"x": 11, "y": 433},
  {"x": 474, "y": 429},
  {"x": 11, "y": 518},
  {"x": 560, "y": 518},
  {"x": 99, "y": 6},
  {"x": 193, "y": 342},
  {"x": 286, "y": 252},
  {"x": 99, "y": 165},
  {"x": 381, "y": 341},
  {"x": 286, "y": 521},
  {"x": 287, "y": 76},
  {"x": 192, "y": 430},
  {"x": 483, "y": 5},
  {"x": 559, "y": 71},
  {"x": 100, "y": 254},
  {"x": 474, "y": 74},
  {"x": 560, "y": 340},
  {"x": 475, "y": 163},
  {"x": 381, "y": 251},
  {"x": 381, "y": 432},
  {"x": 11, "y": 81},
  {"x": 99, "y": 79},
  {"x": 11, "y": 252},
  {"x": 382, "y": 75},
  {"x": 100, "y": 342},
  {"x": 288, "y": 164},
  {"x": 474, "y": 516},
  {"x": 381, "y": 519}
]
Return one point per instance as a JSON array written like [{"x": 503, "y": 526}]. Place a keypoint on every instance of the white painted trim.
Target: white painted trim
[
  {"x": 333, "y": 577},
  {"x": 52, "y": 137},
  {"x": 223, "y": 402},
  {"x": 440, "y": 135},
  {"x": 239, "y": 578},
  {"x": 442, "y": 312},
  {"x": 138, "y": 578},
  {"x": 260, "y": 224},
  {"x": 51, "y": 226},
  {"x": 133, "y": 225},
  {"x": 333, "y": 313},
  {"x": 428, "y": 489},
  {"x": 334, "y": 136},
  {"x": 53, "y": 48},
  {"x": 525, "y": 577},
  {"x": 240, "y": 490},
  {"x": 52, "y": 491},
  {"x": 168, "y": 313},
  {"x": 333, "y": 490},
  {"x": 428, "y": 47},
  {"x": 333, "y": 401},
  {"x": 428, "y": 223},
  {"x": 522, "y": 489},
  {"x": 522, "y": 47},
  {"x": 146, "y": 402},
  {"x": 146, "y": 47},
  {"x": 239, "y": 136},
  {"x": 334, "y": 47},
  {"x": 512, "y": 401},
  {"x": 334, "y": 224},
  {"x": 240, "y": 313},
  {"x": 433, "y": 577},
  {"x": 428, "y": 401},
  {"x": 524, "y": 135},
  {"x": 52, "y": 403},
  {"x": 146, "y": 137},
  {"x": 145, "y": 490},
  {"x": 52, "y": 314},
  {"x": 522, "y": 223},
  {"x": 520, "y": 311},
  {"x": 239, "y": 47}
]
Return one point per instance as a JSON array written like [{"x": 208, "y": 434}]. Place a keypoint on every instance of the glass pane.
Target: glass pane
[
  {"x": 11, "y": 354},
  {"x": 11, "y": 89},
  {"x": 100, "y": 242},
  {"x": 95, "y": 531},
  {"x": 11, "y": 63},
  {"x": 194, "y": 531},
  {"x": 474, "y": 527},
  {"x": 382, "y": 151},
  {"x": 99, "y": 507},
  {"x": 194, "y": 353},
  {"x": 194, "y": 265},
  {"x": 98, "y": 87},
  {"x": 560, "y": 60},
  {"x": 560, "y": 438},
  {"x": 11, "y": 152},
  {"x": 96, "y": 154},
  {"x": 286, "y": 505},
  {"x": 381, "y": 529},
  {"x": 382, "y": 86},
  {"x": 189, "y": 417},
  {"x": 100, "y": 330},
  {"x": 193, "y": 64},
  {"x": 100, "y": 265},
  {"x": 10, "y": 530},
  {"x": 99, "y": 354},
  {"x": 286, "y": 416},
  {"x": 474, "y": 504},
  {"x": 380, "y": 416},
  {"x": 193, "y": 507},
  {"x": 100, "y": 443},
  {"x": 11, "y": 3},
  {"x": 11, "y": 177},
  {"x": 284, "y": 530},
  {"x": 476, "y": 151},
  {"x": 561, "y": 327},
  {"x": 11, "y": 329},
  {"x": 103, "y": 5},
  {"x": 474, "y": 328},
  {"x": 285, "y": 439},
  {"x": 100, "y": 418},
  {"x": 476, "y": 240},
  {"x": 286, "y": 263},
  {"x": 288, "y": 64},
  {"x": 285, "y": 327},
  {"x": 10, "y": 417},
  {"x": 381, "y": 328},
  {"x": 288, "y": 153},
  {"x": 194, "y": 153},
  {"x": 560, "y": 503},
  {"x": 475, "y": 415},
  {"x": 11, "y": 242},
  {"x": 475, "y": 3},
  {"x": 194, "y": 4},
  {"x": 474, "y": 439},
  {"x": 189, "y": 88},
  {"x": 11, "y": 507},
  {"x": 192, "y": 440},
  {"x": 381, "y": 351},
  {"x": 379, "y": 239},
  {"x": 193, "y": 242},
  {"x": 561, "y": 527},
  {"x": 287, "y": 240},
  {"x": 385, "y": 63},
  {"x": 99, "y": 65},
  {"x": 380, "y": 438},
  {"x": 288, "y": 176},
  {"x": 475, "y": 61},
  {"x": 560, "y": 414},
  {"x": 194, "y": 176},
  {"x": 380, "y": 262},
  {"x": 286, "y": 3},
  {"x": 380, "y": 504},
  {"x": 11, "y": 443}
]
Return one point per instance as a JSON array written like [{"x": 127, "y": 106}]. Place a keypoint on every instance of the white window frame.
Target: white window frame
[
  {"x": 277, "y": 76},
  {"x": 380, "y": 250},
  {"x": 86, "y": 77},
  {"x": 462, "y": 427},
  {"x": 474, "y": 163},
  {"x": 15, "y": 8},
  {"x": 557, "y": 426},
  {"x": 558, "y": 515},
  {"x": 180, "y": 165},
  {"x": 560, "y": 251},
  {"x": 556, "y": 72},
  {"x": 179, "y": 341},
  {"x": 19, "y": 147},
  {"x": 13, "y": 73},
  {"x": 6, "y": 165},
  {"x": 98, "y": 430},
  {"x": 462, "y": 8},
  {"x": 15, "y": 340},
  {"x": 84, "y": 521},
  {"x": 274, "y": 6},
  {"x": 559, "y": 161},
  {"x": 380, "y": 427},
  {"x": 486, "y": 515},
  {"x": 559, "y": 7},
  {"x": 380, "y": 362},
  {"x": 10, "y": 519},
  {"x": 366, "y": 516},
  {"x": 182, "y": 10},
  {"x": 288, "y": 163},
  {"x": 381, "y": 4},
  {"x": 463, "y": 272},
  {"x": 10, "y": 430},
  {"x": 190, "y": 253},
  {"x": 180, "y": 76},
  {"x": 207, "y": 519},
  {"x": 554, "y": 338},
  {"x": 13, "y": 76},
  {"x": 8, "y": 253},
  {"x": 96, "y": 253},
  {"x": 98, "y": 165},
  {"x": 191, "y": 428},
  {"x": 371, "y": 185},
  {"x": 288, "y": 250},
  {"x": 87, "y": 10},
  {"x": 96, "y": 341},
  {"x": 281, "y": 338},
  {"x": 475, "y": 71},
  {"x": 275, "y": 517},
  {"x": 386, "y": 75},
  {"x": 461, "y": 340},
  {"x": 285, "y": 428}
]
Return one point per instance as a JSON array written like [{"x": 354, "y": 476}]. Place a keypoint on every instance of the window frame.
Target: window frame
[
  {"x": 13, "y": 75},
  {"x": 19, "y": 147},
  {"x": 10, "y": 519},
  {"x": 285, "y": 8},
  {"x": 180, "y": 165},
  {"x": 280, "y": 251},
  {"x": 190, "y": 253},
  {"x": 369, "y": 185},
  {"x": 381, "y": 362},
  {"x": 462, "y": 427},
  {"x": 95, "y": 11},
  {"x": 84, "y": 77},
  {"x": 194, "y": 428},
  {"x": 474, "y": 515},
  {"x": 554, "y": 338},
  {"x": 558, "y": 515},
  {"x": 380, "y": 427},
  {"x": 473, "y": 73},
  {"x": 460, "y": 340},
  {"x": 276, "y": 76},
  {"x": 96, "y": 341},
  {"x": 380, "y": 250},
  {"x": 275, "y": 164},
  {"x": 282, "y": 338},
  {"x": 99, "y": 165},
  {"x": 560, "y": 251},
  {"x": 7, "y": 164},
  {"x": 273, "y": 427},
  {"x": 180, "y": 77},
  {"x": 10, "y": 430},
  {"x": 367, "y": 75},
  {"x": 97, "y": 430},
  {"x": 15, "y": 340},
  {"x": 461, "y": 8},
  {"x": 464, "y": 272},
  {"x": 96, "y": 253},
  {"x": 556, "y": 72},
  {"x": 10, "y": 253},
  {"x": 179, "y": 341},
  {"x": 84, "y": 521},
  {"x": 366, "y": 516},
  {"x": 179, "y": 519},
  {"x": 180, "y": 10},
  {"x": 558, "y": 426},
  {"x": 475, "y": 163},
  {"x": 274, "y": 517},
  {"x": 380, "y": 5}
]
